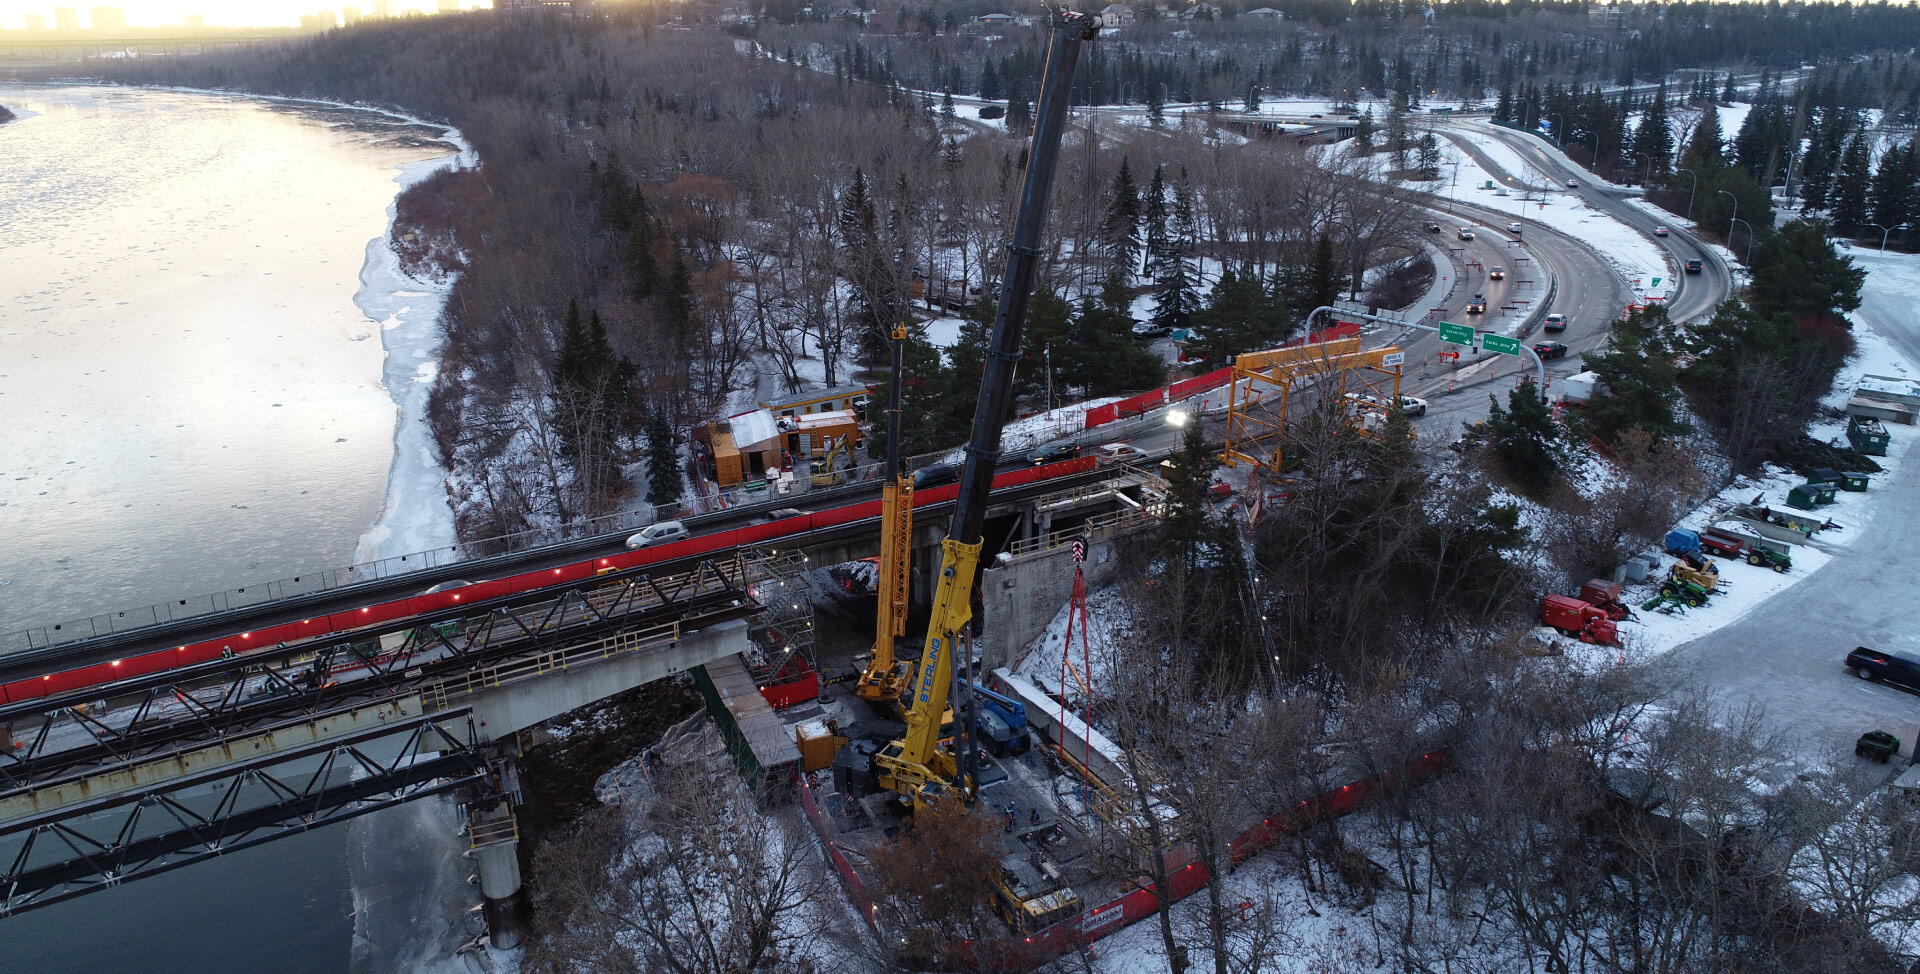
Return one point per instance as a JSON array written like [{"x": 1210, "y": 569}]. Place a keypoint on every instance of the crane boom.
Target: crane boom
[
  {"x": 914, "y": 765},
  {"x": 883, "y": 681}
]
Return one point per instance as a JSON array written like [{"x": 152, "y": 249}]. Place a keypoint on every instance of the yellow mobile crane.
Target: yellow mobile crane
[
  {"x": 915, "y": 766},
  {"x": 885, "y": 680}
]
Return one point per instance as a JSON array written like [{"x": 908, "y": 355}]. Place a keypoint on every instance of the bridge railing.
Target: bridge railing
[{"x": 256, "y": 594}]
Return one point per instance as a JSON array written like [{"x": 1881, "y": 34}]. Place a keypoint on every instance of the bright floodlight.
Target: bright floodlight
[{"x": 1176, "y": 417}]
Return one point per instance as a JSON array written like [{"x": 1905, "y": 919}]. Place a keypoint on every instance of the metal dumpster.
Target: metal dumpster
[
  {"x": 1854, "y": 482},
  {"x": 1867, "y": 435}
]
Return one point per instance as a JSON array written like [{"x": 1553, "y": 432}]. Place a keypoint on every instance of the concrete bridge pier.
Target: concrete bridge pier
[
  {"x": 500, "y": 875},
  {"x": 494, "y": 838}
]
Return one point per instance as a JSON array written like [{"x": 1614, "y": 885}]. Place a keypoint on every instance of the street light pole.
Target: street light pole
[
  {"x": 1736, "y": 215},
  {"x": 1749, "y": 227},
  {"x": 1694, "y": 188}
]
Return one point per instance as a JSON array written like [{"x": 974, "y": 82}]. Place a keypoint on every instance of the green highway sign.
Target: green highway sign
[
  {"x": 1656, "y": 282},
  {"x": 1501, "y": 344},
  {"x": 1455, "y": 334}
]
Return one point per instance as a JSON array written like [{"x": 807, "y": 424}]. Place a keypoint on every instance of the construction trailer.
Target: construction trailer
[
  {"x": 745, "y": 447},
  {"x": 1267, "y": 385}
]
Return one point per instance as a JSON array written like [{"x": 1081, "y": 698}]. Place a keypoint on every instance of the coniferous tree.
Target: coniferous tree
[
  {"x": 1890, "y": 193},
  {"x": 1324, "y": 281},
  {"x": 1429, "y": 157},
  {"x": 1154, "y": 213},
  {"x": 1120, "y": 229},
  {"x": 664, "y": 484},
  {"x": 1637, "y": 368},
  {"x": 1848, "y": 197},
  {"x": 1240, "y": 316},
  {"x": 641, "y": 264},
  {"x": 1176, "y": 284},
  {"x": 1703, "y": 154},
  {"x": 1525, "y": 437}
]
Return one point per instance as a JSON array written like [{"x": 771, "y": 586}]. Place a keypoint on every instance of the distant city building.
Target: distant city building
[
  {"x": 449, "y": 6},
  {"x": 66, "y": 18},
  {"x": 383, "y": 9},
  {"x": 107, "y": 18},
  {"x": 319, "y": 20},
  {"x": 349, "y": 16},
  {"x": 196, "y": 21},
  {"x": 534, "y": 6},
  {"x": 36, "y": 22},
  {"x": 1116, "y": 15}
]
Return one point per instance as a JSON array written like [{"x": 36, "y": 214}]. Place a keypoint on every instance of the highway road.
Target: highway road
[{"x": 1694, "y": 295}]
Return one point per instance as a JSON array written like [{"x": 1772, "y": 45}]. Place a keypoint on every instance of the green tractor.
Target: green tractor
[
  {"x": 1766, "y": 556},
  {"x": 1685, "y": 590}
]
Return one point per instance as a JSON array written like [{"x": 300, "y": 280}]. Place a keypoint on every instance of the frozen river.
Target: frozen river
[{"x": 191, "y": 401}]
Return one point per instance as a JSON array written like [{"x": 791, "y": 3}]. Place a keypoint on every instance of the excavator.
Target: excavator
[{"x": 916, "y": 767}]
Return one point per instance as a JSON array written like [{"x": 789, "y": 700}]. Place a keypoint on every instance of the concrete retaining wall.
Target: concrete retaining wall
[{"x": 1019, "y": 597}]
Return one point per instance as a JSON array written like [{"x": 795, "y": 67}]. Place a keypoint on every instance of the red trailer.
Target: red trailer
[
  {"x": 1577, "y": 618},
  {"x": 1723, "y": 544},
  {"x": 1605, "y": 596}
]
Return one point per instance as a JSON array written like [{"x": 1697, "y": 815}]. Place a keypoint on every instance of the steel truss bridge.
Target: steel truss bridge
[{"x": 128, "y": 780}]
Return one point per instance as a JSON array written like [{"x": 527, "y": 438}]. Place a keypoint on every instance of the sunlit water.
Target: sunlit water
[{"x": 189, "y": 401}]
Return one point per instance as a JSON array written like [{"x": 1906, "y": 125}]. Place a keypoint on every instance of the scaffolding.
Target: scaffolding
[
  {"x": 1363, "y": 385},
  {"x": 781, "y": 636}
]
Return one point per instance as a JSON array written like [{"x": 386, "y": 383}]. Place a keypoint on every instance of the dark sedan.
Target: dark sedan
[{"x": 1550, "y": 350}]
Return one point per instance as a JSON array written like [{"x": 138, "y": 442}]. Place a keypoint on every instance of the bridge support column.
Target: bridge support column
[{"x": 499, "y": 858}]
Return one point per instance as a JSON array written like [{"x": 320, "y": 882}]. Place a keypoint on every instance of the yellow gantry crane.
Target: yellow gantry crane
[
  {"x": 885, "y": 679},
  {"x": 1265, "y": 383}
]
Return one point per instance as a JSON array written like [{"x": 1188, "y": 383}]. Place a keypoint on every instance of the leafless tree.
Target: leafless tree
[{"x": 699, "y": 882}]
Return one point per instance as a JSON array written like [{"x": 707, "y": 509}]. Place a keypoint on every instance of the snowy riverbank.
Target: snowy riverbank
[{"x": 413, "y": 908}]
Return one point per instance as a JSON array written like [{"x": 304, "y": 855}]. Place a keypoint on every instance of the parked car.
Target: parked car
[
  {"x": 1550, "y": 350},
  {"x": 1555, "y": 323},
  {"x": 1433, "y": 226},
  {"x": 1659, "y": 231},
  {"x": 1496, "y": 273},
  {"x": 935, "y": 475},
  {"x": 1119, "y": 453},
  {"x": 1412, "y": 406},
  {"x": 1148, "y": 329},
  {"x": 1693, "y": 267},
  {"x": 1466, "y": 233},
  {"x": 1880, "y": 665},
  {"x": 1478, "y": 305},
  {"x": 662, "y": 533},
  {"x": 1053, "y": 452},
  {"x": 1515, "y": 228}
]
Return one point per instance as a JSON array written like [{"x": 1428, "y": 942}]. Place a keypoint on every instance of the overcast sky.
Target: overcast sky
[{"x": 227, "y": 13}]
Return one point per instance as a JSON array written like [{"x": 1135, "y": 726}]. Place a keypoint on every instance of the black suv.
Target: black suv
[
  {"x": 1052, "y": 452},
  {"x": 1874, "y": 664}
]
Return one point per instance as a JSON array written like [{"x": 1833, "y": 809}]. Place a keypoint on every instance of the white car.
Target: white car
[
  {"x": 1412, "y": 406},
  {"x": 661, "y": 533},
  {"x": 1515, "y": 228},
  {"x": 1659, "y": 231}
]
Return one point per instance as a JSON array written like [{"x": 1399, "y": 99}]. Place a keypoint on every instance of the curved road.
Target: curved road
[{"x": 1693, "y": 295}]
